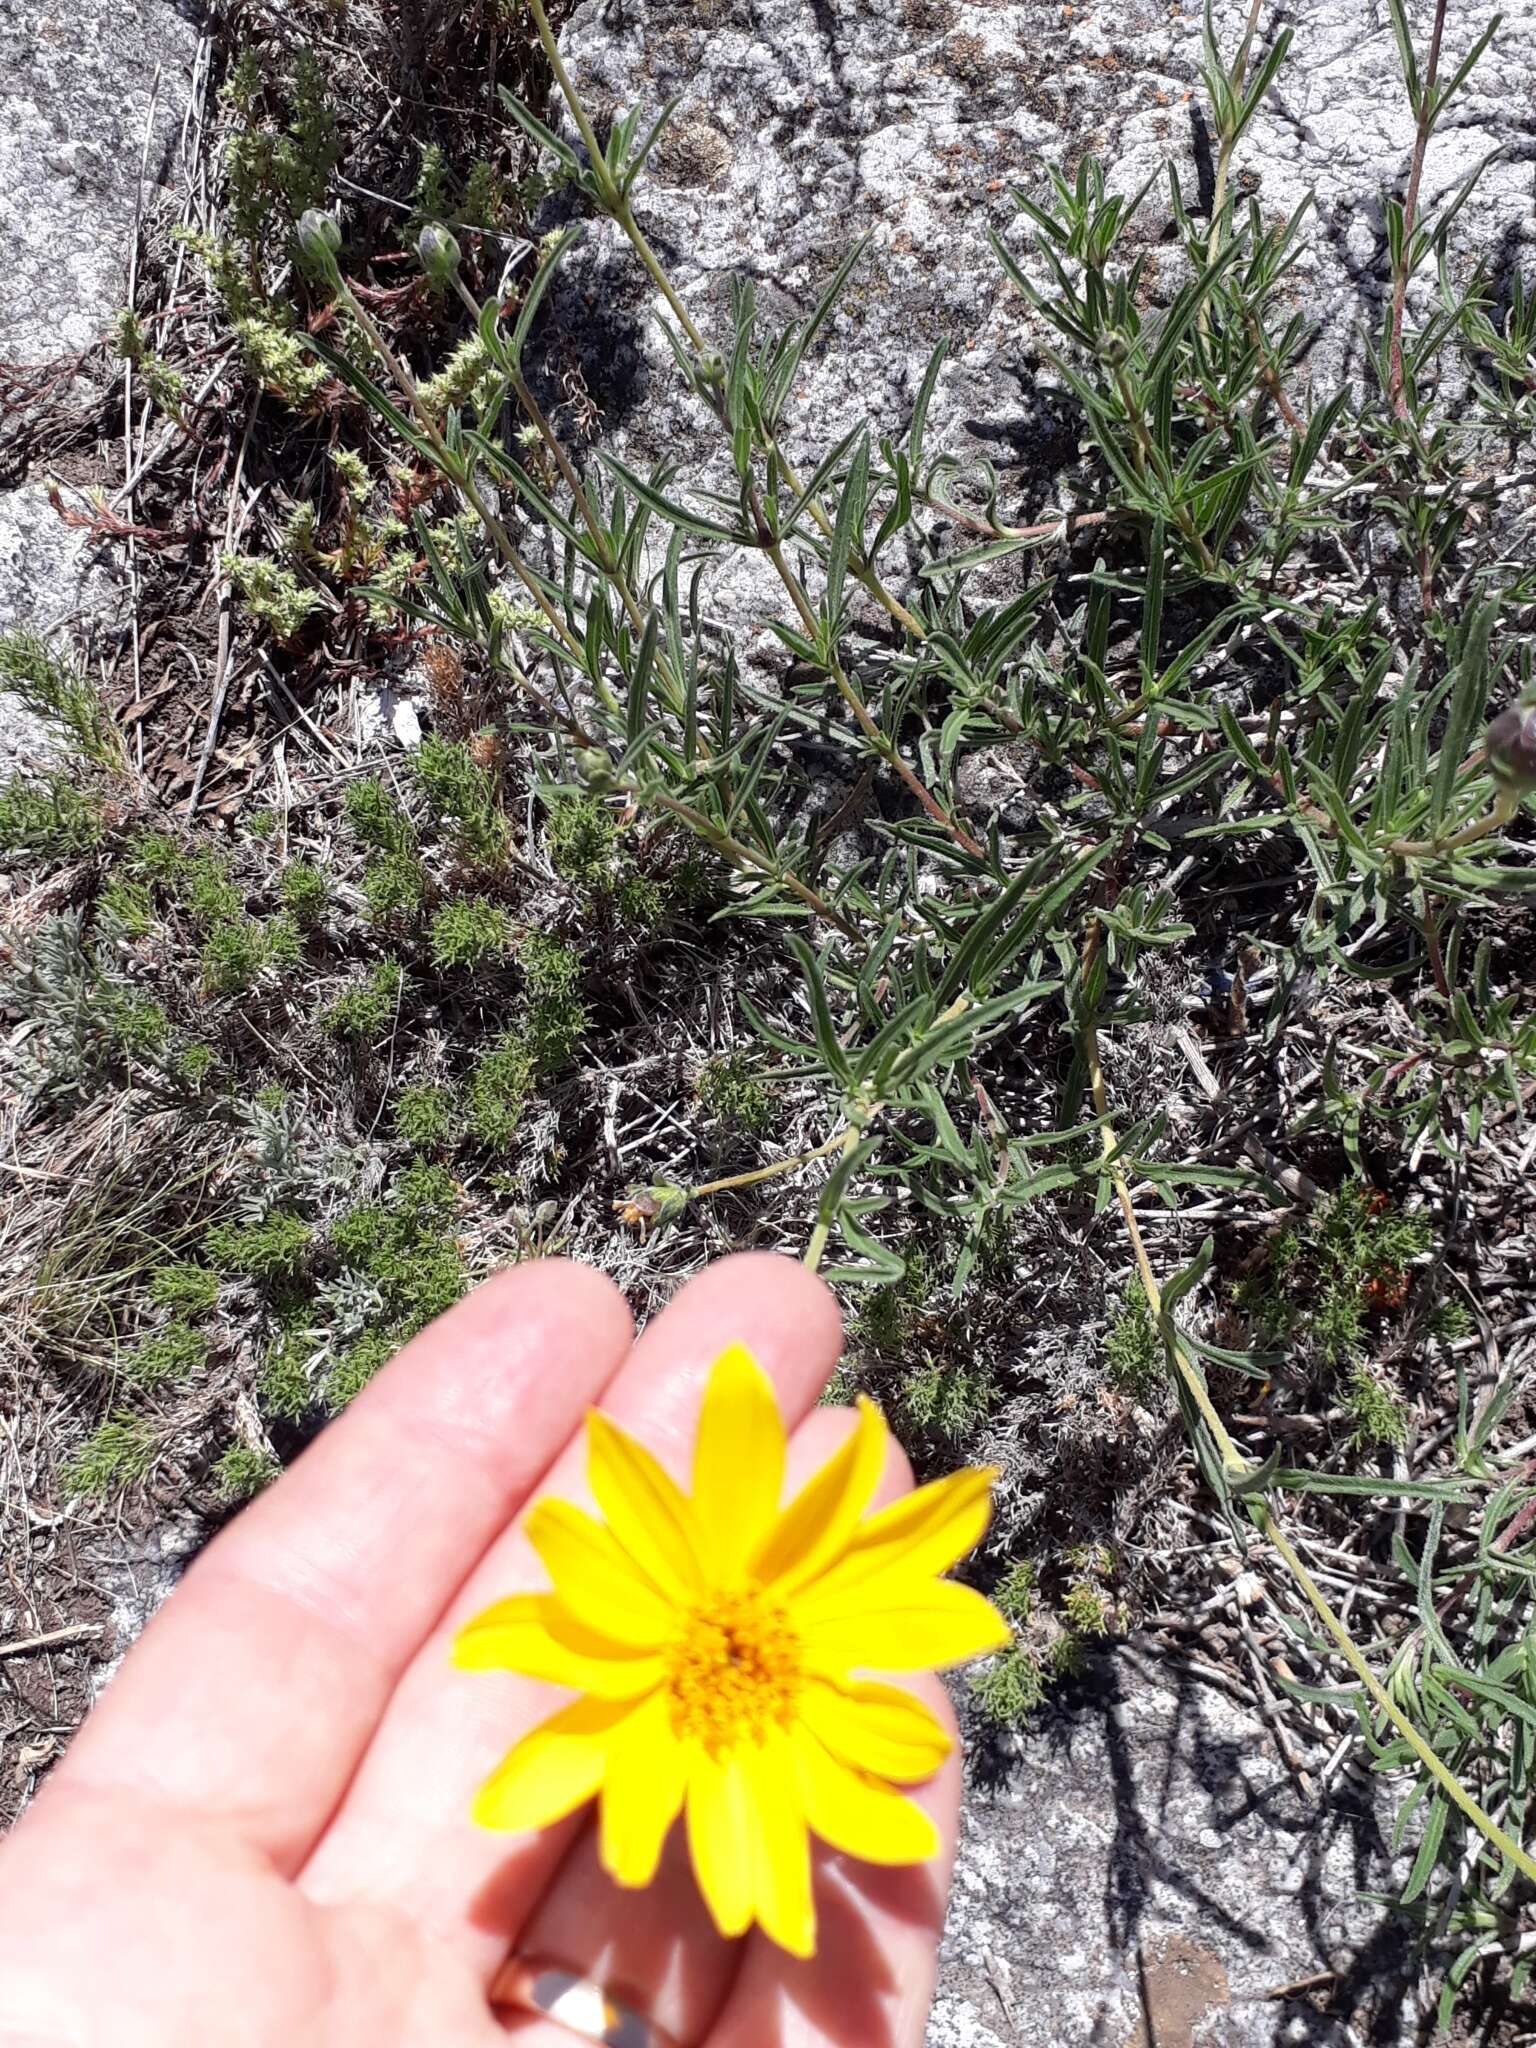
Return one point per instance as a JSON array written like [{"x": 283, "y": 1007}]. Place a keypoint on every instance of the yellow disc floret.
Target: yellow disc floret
[{"x": 734, "y": 1670}]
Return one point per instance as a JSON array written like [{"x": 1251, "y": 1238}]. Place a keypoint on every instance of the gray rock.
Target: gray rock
[
  {"x": 801, "y": 126},
  {"x": 1147, "y": 1849},
  {"x": 82, "y": 89}
]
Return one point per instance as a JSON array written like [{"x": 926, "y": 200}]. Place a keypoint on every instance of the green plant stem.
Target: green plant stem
[
  {"x": 741, "y": 855},
  {"x": 1493, "y": 820},
  {"x": 816, "y": 1246},
  {"x": 1238, "y": 74},
  {"x": 861, "y": 712},
  {"x": 1424, "y": 114},
  {"x": 779, "y": 1166},
  {"x": 1236, "y": 1466}
]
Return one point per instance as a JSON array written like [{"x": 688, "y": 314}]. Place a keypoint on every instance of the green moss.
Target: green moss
[
  {"x": 377, "y": 819},
  {"x": 556, "y": 1017},
  {"x": 1321, "y": 1284},
  {"x": 166, "y": 1358},
  {"x": 1010, "y": 1687},
  {"x": 641, "y": 902},
  {"x": 284, "y": 1388},
  {"x": 369, "y": 1009},
  {"x": 126, "y": 907},
  {"x": 1133, "y": 1348},
  {"x": 157, "y": 857},
  {"x": 462, "y": 793},
  {"x": 425, "y": 1118},
  {"x": 394, "y": 885},
  {"x": 730, "y": 1091},
  {"x": 1380, "y": 1420},
  {"x": 137, "y": 1025},
  {"x": 242, "y": 1472},
  {"x": 1014, "y": 1595},
  {"x": 194, "y": 1063},
  {"x": 303, "y": 890},
  {"x": 497, "y": 1093},
  {"x": 356, "y": 1366},
  {"x": 582, "y": 836},
  {"x": 119, "y": 1454},
  {"x": 469, "y": 932},
  {"x": 1087, "y": 1610},
  {"x": 272, "y": 1249},
  {"x": 188, "y": 1289}
]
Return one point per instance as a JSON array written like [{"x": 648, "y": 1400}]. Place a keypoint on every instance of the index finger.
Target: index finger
[{"x": 260, "y": 1682}]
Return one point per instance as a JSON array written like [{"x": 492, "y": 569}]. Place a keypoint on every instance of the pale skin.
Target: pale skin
[{"x": 261, "y": 1837}]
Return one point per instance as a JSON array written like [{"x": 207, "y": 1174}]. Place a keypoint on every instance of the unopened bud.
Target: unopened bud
[
  {"x": 438, "y": 252},
  {"x": 1511, "y": 746},
  {"x": 318, "y": 237},
  {"x": 595, "y": 769}
]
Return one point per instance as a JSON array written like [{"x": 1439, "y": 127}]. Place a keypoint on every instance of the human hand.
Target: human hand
[{"x": 263, "y": 1836}]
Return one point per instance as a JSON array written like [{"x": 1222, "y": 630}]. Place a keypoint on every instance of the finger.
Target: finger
[
  {"x": 404, "y": 1835},
  {"x": 871, "y": 1978},
  {"x": 657, "y": 1949},
  {"x": 258, "y": 1685}
]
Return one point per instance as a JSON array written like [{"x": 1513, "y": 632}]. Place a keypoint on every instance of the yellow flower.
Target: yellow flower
[{"x": 716, "y": 1641}]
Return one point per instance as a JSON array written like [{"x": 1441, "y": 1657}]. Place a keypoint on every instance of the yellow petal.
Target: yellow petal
[
  {"x": 781, "y": 1848},
  {"x": 719, "y": 1841},
  {"x": 553, "y": 1770},
  {"x": 530, "y": 1634},
  {"x": 814, "y": 1529},
  {"x": 646, "y": 1509},
  {"x": 912, "y": 1627},
  {"x": 642, "y": 1793},
  {"x": 858, "y": 1814},
  {"x": 922, "y": 1534},
  {"x": 596, "y": 1579},
  {"x": 880, "y": 1728},
  {"x": 738, "y": 1461}
]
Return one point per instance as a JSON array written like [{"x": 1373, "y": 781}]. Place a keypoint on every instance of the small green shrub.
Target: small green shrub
[
  {"x": 1322, "y": 1282},
  {"x": 48, "y": 684},
  {"x": 117, "y": 1455},
  {"x": 195, "y": 1062},
  {"x": 166, "y": 1358},
  {"x": 272, "y": 1249},
  {"x": 469, "y": 932},
  {"x": 158, "y": 858},
  {"x": 242, "y": 1472},
  {"x": 394, "y": 885},
  {"x": 188, "y": 1289},
  {"x": 556, "y": 1016},
  {"x": 425, "y": 1118},
  {"x": 356, "y": 1366},
  {"x": 1010, "y": 1687},
  {"x": 305, "y": 895},
  {"x": 271, "y": 592},
  {"x": 376, "y": 818},
  {"x": 949, "y": 1399},
  {"x": 51, "y": 819},
  {"x": 730, "y": 1091},
  {"x": 582, "y": 837},
  {"x": 459, "y": 790},
  {"x": 497, "y": 1092},
  {"x": 369, "y": 1009},
  {"x": 233, "y": 956},
  {"x": 284, "y": 1387},
  {"x": 1380, "y": 1419},
  {"x": 137, "y": 1025},
  {"x": 126, "y": 907},
  {"x": 205, "y": 889}
]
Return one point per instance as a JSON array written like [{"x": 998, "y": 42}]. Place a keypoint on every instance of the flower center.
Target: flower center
[{"x": 734, "y": 1670}]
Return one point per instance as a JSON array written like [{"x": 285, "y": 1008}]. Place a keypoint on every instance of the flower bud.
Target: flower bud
[
  {"x": 1511, "y": 745},
  {"x": 437, "y": 252},
  {"x": 318, "y": 237},
  {"x": 595, "y": 769}
]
